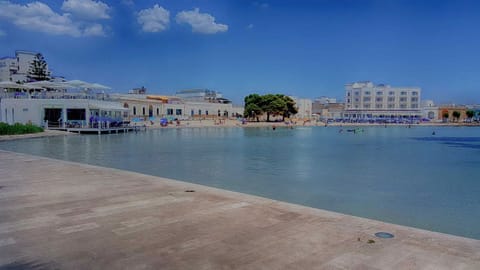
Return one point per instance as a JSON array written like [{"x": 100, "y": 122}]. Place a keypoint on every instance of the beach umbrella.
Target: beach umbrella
[
  {"x": 12, "y": 85},
  {"x": 48, "y": 84},
  {"x": 87, "y": 85},
  {"x": 98, "y": 86}
]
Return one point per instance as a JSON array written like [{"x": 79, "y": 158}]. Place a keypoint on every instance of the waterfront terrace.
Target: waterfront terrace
[{"x": 62, "y": 215}]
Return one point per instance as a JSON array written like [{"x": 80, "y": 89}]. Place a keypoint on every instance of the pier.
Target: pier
[{"x": 63, "y": 215}]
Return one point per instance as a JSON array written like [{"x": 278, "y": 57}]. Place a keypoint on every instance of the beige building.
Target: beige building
[{"x": 446, "y": 113}]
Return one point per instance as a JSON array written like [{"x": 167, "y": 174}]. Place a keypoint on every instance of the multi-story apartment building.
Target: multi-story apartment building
[
  {"x": 16, "y": 68},
  {"x": 366, "y": 100}
]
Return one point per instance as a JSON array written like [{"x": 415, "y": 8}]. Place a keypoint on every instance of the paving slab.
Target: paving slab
[{"x": 63, "y": 215}]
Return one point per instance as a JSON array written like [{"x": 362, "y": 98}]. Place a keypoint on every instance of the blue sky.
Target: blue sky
[{"x": 302, "y": 48}]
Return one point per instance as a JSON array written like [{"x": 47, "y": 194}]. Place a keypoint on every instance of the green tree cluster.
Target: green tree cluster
[
  {"x": 38, "y": 69},
  {"x": 270, "y": 104}
]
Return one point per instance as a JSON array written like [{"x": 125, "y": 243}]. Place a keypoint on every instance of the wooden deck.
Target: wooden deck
[{"x": 85, "y": 130}]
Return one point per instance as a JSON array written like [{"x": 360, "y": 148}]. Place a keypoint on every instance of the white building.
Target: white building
[
  {"x": 156, "y": 106},
  {"x": 365, "y": 100},
  {"x": 57, "y": 112},
  {"x": 201, "y": 95},
  {"x": 325, "y": 100},
  {"x": 16, "y": 68},
  {"x": 429, "y": 110},
  {"x": 304, "y": 107}
]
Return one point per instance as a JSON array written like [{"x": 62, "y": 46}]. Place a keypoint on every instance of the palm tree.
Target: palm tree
[
  {"x": 445, "y": 116},
  {"x": 456, "y": 115},
  {"x": 470, "y": 114}
]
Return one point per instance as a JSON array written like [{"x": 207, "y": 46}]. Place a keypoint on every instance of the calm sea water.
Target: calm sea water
[{"x": 402, "y": 175}]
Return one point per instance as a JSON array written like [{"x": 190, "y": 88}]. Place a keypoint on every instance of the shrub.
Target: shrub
[{"x": 17, "y": 128}]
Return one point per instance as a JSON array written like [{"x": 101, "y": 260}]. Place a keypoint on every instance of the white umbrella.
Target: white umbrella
[
  {"x": 12, "y": 85},
  {"x": 49, "y": 84},
  {"x": 78, "y": 84},
  {"x": 99, "y": 86}
]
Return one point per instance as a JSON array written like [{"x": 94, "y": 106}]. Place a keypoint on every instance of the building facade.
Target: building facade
[
  {"x": 57, "y": 112},
  {"x": 365, "y": 100},
  {"x": 15, "y": 69},
  {"x": 446, "y": 113},
  {"x": 147, "y": 107},
  {"x": 304, "y": 107}
]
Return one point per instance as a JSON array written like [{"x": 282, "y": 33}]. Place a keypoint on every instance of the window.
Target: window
[
  {"x": 143, "y": 110},
  {"x": 403, "y": 106},
  {"x": 206, "y": 112},
  {"x": 366, "y": 106},
  {"x": 192, "y": 112},
  {"x": 391, "y": 93},
  {"x": 199, "y": 112},
  {"x": 357, "y": 93},
  {"x": 414, "y": 99},
  {"x": 348, "y": 94},
  {"x": 169, "y": 111},
  {"x": 379, "y": 106},
  {"x": 348, "y": 100},
  {"x": 379, "y": 93},
  {"x": 379, "y": 99},
  {"x": 367, "y": 93},
  {"x": 134, "y": 110},
  {"x": 415, "y": 105},
  {"x": 390, "y": 106},
  {"x": 403, "y": 99},
  {"x": 403, "y": 93},
  {"x": 365, "y": 99},
  {"x": 178, "y": 112},
  {"x": 357, "y": 100},
  {"x": 414, "y": 93},
  {"x": 391, "y": 99}
]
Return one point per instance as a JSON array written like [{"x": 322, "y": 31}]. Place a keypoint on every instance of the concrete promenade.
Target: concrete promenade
[{"x": 62, "y": 215}]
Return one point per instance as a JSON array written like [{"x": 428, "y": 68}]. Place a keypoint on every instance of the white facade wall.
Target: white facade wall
[
  {"x": 6, "y": 67},
  {"x": 304, "y": 107},
  {"x": 429, "y": 110},
  {"x": 33, "y": 110},
  {"x": 24, "y": 60},
  {"x": 16, "y": 69},
  {"x": 366, "y": 100},
  {"x": 140, "y": 108}
]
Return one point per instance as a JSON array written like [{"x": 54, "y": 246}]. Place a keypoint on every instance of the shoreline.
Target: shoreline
[
  {"x": 235, "y": 123},
  {"x": 50, "y": 204}
]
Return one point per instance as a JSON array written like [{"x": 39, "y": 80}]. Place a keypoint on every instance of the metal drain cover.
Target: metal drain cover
[{"x": 384, "y": 235}]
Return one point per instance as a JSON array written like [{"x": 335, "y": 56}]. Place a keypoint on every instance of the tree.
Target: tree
[
  {"x": 291, "y": 108},
  {"x": 252, "y": 106},
  {"x": 38, "y": 69},
  {"x": 271, "y": 104},
  {"x": 470, "y": 114},
  {"x": 445, "y": 115},
  {"x": 456, "y": 115}
]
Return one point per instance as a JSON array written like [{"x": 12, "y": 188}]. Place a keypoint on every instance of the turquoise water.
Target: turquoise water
[{"x": 401, "y": 175}]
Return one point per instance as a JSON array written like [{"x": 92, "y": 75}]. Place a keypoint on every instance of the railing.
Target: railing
[{"x": 54, "y": 95}]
